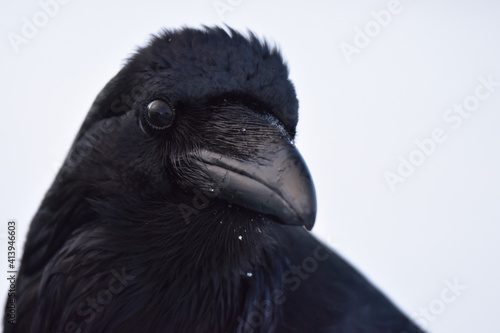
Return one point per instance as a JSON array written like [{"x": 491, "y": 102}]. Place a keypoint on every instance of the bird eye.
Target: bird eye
[{"x": 159, "y": 114}]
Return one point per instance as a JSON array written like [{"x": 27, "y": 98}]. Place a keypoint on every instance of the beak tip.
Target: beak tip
[
  {"x": 305, "y": 217},
  {"x": 307, "y": 212},
  {"x": 292, "y": 200},
  {"x": 308, "y": 221}
]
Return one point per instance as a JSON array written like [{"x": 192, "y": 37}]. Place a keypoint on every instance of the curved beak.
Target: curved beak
[{"x": 277, "y": 184}]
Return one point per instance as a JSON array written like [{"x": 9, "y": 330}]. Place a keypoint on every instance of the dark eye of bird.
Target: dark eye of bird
[{"x": 159, "y": 114}]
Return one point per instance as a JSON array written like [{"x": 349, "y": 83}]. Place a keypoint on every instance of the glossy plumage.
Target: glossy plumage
[{"x": 195, "y": 226}]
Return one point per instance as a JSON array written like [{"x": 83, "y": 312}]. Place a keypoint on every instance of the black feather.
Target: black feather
[{"x": 133, "y": 236}]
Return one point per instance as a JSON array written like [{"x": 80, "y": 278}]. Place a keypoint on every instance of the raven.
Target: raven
[{"x": 181, "y": 207}]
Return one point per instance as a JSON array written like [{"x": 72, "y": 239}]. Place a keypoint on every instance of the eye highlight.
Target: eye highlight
[{"x": 159, "y": 114}]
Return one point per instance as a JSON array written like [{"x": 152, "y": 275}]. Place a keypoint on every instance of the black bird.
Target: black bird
[{"x": 182, "y": 204}]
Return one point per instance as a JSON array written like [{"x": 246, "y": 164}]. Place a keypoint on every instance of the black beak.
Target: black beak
[{"x": 277, "y": 184}]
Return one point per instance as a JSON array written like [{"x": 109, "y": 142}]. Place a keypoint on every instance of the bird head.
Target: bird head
[
  {"x": 185, "y": 172},
  {"x": 199, "y": 116}
]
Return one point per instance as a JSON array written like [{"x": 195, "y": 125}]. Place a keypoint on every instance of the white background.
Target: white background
[{"x": 356, "y": 119}]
